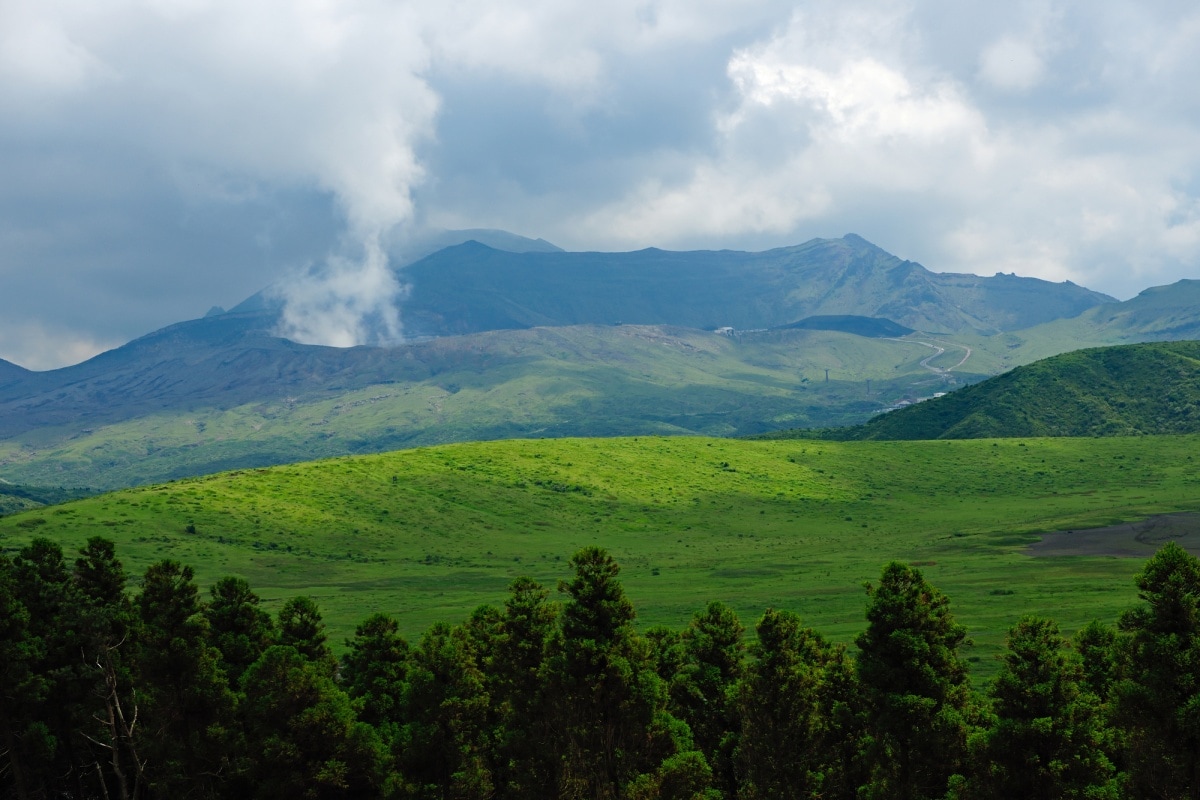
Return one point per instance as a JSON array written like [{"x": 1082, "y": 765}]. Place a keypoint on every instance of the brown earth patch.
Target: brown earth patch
[{"x": 1128, "y": 540}]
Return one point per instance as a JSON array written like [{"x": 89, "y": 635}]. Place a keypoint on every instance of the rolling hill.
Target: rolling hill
[
  {"x": 1126, "y": 390},
  {"x": 428, "y": 534}
]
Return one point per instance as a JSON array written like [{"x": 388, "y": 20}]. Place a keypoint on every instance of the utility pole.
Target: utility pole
[{"x": 827, "y": 376}]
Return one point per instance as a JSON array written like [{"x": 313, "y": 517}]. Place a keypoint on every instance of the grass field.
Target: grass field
[{"x": 428, "y": 534}]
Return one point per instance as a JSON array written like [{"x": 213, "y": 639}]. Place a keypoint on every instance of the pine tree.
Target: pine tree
[
  {"x": 525, "y": 762},
  {"x": 1156, "y": 699},
  {"x": 1047, "y": 740},
  {"x": 301, "y": 627},
  {"x": 703, "y": 695},
  {"x": 444, "y": 742},
  {"x": 20, "y": 684},
  {"x": 915, "y": 688},
  {"x": 374, "y": 670},
  {"x": 611, "y": 703},
  {"x": 107, "y": 625},
  {"x": 60, "y": 702},
  {"x": 239, "y": 630},
  {"x": 790, "y": 746},
  {"x": 188, "y": 734},
  {"x": 305, "y": 739}
]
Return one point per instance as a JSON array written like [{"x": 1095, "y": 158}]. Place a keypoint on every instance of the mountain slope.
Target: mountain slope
[
  {"x": 1160, "y": 313},
  {"x": 292, "y": 403},
  {"x": 1151, "y": 388},
  {"x": 11, "y": 372}
]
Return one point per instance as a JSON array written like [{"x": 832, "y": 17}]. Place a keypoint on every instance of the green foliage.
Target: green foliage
[
  {"x": 1047, "y": 740},
  {"x": 239, "y": 629},
  {"x": 527, "y": 744},
  {"x": 791, "y": 743},
  {"x": 915, "y": 687},
  {"x": 307, "y": 742},
  {"x": 187, "y": 707},
  {"x": 609, "y": 699},
  {"x": 373, "y": 672},
  {"x": 703, "y": 693},
  {"x": 442, "y": 748},
  {"x": 302, "y": 627},
  {"x": 1156, "y": 699},
  {"x": 525, "y": 701}
]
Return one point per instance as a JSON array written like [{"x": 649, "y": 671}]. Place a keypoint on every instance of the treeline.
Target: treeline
[{"x": 167, "y": 694}]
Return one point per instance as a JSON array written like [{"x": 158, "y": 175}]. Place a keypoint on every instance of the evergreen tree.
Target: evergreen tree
[
  {"x": 1156, "y": 700},
  {"x": 703, "y": 694},
  {"x": 611, "y": 704},
  {"x": 1096, "y": 645},
  {"x": 443, "y": 750},
  {"x": 188, "y": 727},
  {"x": 373, "y": 673},
  {"x": 20, "y": 684},
  {"x": 789, "y": 747},
  {"x": 301, "y": 627},
  {"x": 526, "y": 741},
  {"x": 239, "y": 630},
  {"x": 304, "y": 737},
  {"x": 60, "y": 702},
  {"x": 1047, "y": 741},
  {"x": 107, "y": 627},
  {"x": 915, "y": 688}
]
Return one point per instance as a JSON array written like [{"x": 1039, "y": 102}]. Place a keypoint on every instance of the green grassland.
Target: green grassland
[
  {"x": 552, "y": 382},
  {"x": 427, "y": 534}
]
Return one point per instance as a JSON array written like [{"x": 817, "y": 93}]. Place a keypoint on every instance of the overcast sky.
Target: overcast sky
[{"x": 158, "y": 157}]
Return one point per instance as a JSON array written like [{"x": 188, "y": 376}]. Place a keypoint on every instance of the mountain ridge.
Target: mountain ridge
[{"x": 471, "y": 287}]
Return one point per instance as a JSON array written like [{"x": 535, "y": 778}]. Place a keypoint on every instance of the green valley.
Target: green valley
[{"x": 427, "y": 534}]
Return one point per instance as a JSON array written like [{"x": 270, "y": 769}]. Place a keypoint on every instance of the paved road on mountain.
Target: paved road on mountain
[{"x": 936, "y": 345}]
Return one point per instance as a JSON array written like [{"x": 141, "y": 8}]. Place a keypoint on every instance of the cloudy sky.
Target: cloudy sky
[{"x": 158, "y": 157}]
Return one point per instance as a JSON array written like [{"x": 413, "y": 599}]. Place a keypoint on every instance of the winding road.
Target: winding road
[{"x": 937, "y": 346}]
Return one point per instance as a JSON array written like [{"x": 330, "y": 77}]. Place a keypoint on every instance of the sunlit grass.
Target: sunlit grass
[{"x": 427, "y": 534}]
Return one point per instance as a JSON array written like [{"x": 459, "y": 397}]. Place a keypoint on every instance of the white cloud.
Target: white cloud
[
  {"x": 841, "y": 126},
  {"x": 36, "y": 346},
  {"x": 1011, "y": 65}
]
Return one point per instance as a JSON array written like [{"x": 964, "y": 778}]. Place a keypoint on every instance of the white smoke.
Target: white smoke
[
  {"x": 259, "y": 96},
  {"x": 344, "y": 302}
]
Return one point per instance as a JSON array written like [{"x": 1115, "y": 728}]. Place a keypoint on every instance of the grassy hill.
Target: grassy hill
[
  {"x": 427, "y": 534},
  {"x": 1137, "y": 389}
]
